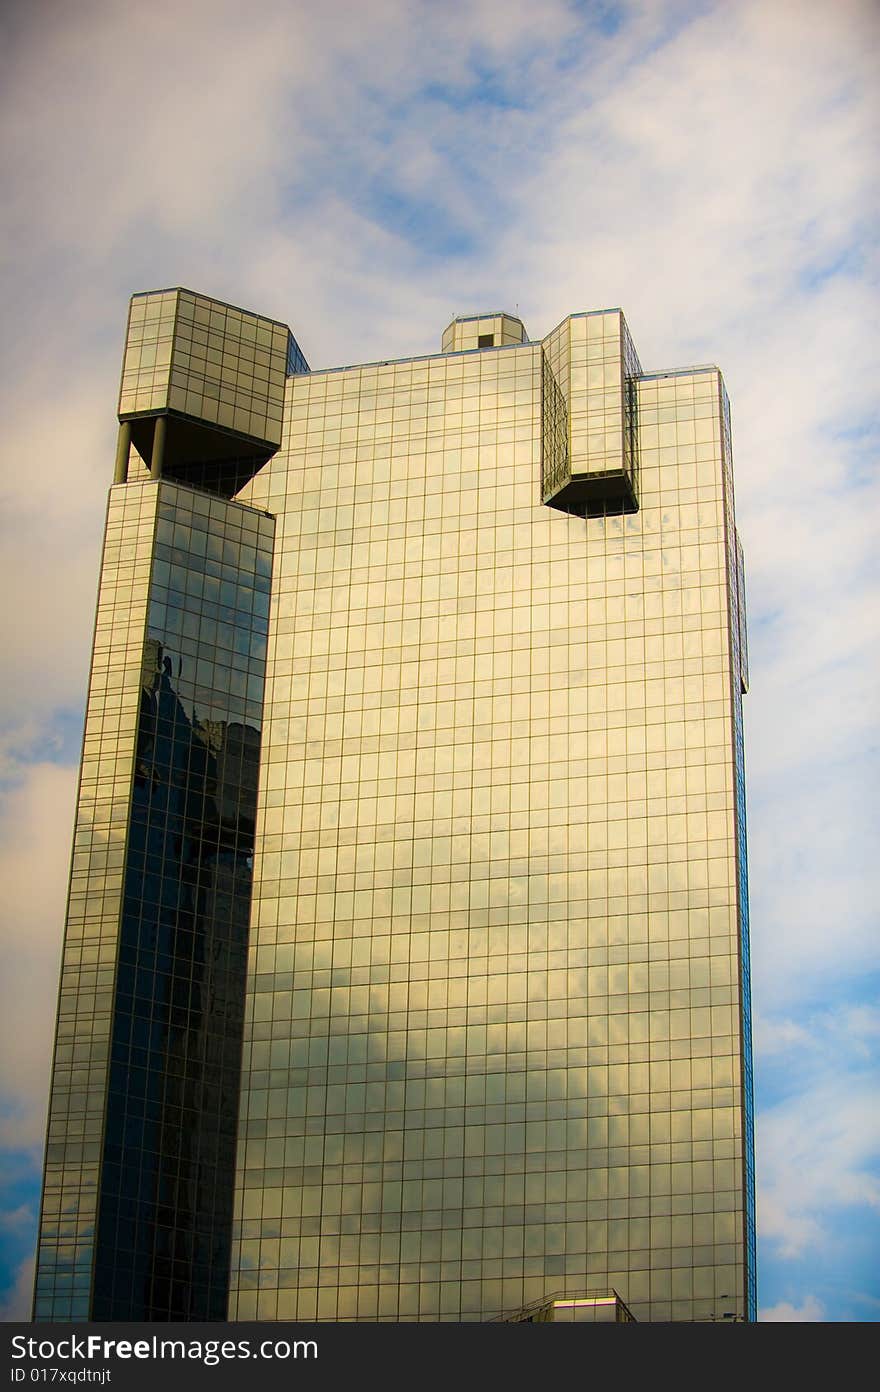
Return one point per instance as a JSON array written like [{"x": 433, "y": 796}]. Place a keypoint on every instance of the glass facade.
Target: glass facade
[
  {"x": 163, "y": 1234},
  {"x": 136, "y": 1217},
  {"x": 215, "y": 363},
  {"x": 590, "y": 373},
  {"x": 489, "y": 990},
  {"x": 65, "y": 1256}
]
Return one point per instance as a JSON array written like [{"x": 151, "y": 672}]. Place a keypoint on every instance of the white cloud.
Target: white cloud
[
  {"x": 16, "y": 1305},
  {"x": 824, "y": 1037},
  {"x": 17, "y": 1219},
  {"x": 777, "y": 1036},
  {"x": 809, "y": 1311},
  {"x": 818, "y": 1154},
  {"x": 818, "y": 1148}
]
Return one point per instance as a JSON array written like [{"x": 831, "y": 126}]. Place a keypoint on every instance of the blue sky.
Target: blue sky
[{"x": 365, "y": 171}]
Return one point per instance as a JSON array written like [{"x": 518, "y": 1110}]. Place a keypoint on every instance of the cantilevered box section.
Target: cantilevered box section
[
  {"x": 202, "y": 386},
  {"x": 591, "y": 432}
]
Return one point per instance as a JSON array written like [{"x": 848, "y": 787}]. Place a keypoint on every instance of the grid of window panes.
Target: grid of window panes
[
  {"x": 632, "y": 370},
  {"x": 595, "y": 403},
  {"x": 592, "y": 360},
  {"x": 554, "y": 449},
  {"x": 295, "y": 358},
  {"x": 79, "y": 1080},
  {"x": 493, "y": 1038},
  {"x": 681, "y": 414},
  {"x": 179, "y": 715},
  {"x": 207, "y": 360},
  {"x": 739, "y": 684},
  {"x": 555, "y": 459},
  {"x": 149, "y": 340},
  {"x": 163, "y": 1234}
]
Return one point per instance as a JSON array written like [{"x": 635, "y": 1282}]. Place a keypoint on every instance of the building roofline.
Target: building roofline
[
  {"x": 226, "y": 304},
  {"x": 680, "y": 371}
]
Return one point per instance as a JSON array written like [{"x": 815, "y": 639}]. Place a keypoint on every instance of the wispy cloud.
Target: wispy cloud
[
  {"x": 819, "y": 1190},
  {"x": 819, "y": 1155},
  {"x": 15, "y": 1304},
  {"x": 810, "y": 1309}
]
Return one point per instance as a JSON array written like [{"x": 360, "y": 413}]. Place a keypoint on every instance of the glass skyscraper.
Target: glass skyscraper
[{"x": 406, "y": 965}]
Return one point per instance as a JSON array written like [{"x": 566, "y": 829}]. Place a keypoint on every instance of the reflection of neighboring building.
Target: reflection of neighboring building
[
  {"x": 406, "y": 962},
  {"x": 176, "y": 1048}
]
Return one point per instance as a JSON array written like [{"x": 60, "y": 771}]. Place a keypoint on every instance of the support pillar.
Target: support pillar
[
  {"x": 158, "y": 447},
  {"x": 123, "y": 448}
]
